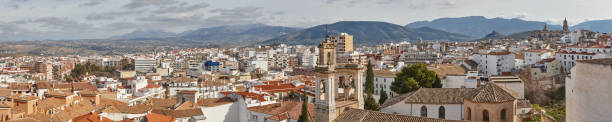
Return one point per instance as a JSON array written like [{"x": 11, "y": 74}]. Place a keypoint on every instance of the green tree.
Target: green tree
[
  {"x": 304, "y": 117},
  {"x": 420, "y": 75},
  {"x": 369, "y": 84},
  {"x": 383, "y": 97},
  {"x": 404, "y": 86},
  {"x": 370, "y": 103},
  {"x": 128, "y": 67}
]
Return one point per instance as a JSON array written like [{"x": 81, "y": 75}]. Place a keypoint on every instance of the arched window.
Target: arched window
[
  {"x": 424, "y": 111},
  {"x": 469, "y": 114},
  {"x": 485, "y": 115},
  {"x": 502, "y": 115},
  {"x": 441, "y": 112}
]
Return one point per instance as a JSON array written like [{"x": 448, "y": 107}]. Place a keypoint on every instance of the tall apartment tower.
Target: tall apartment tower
[{"x": 344, "y": 42}]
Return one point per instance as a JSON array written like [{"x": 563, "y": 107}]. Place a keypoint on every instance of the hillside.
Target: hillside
[
  {"x": 366, "y": 32},
  {"x": 479, "y": 26}
]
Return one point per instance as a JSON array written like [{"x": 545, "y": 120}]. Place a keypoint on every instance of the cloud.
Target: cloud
[
  {"x": 57, "y": 24},
  {"x": 92, "y": 3},
  {"x": 144, "y": 3},
  {"x": 111, "y": 15},
  {"x": 181, "y": 8}
]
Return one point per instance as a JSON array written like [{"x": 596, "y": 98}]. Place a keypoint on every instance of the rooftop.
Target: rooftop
[{"x": 603, "y": 61}]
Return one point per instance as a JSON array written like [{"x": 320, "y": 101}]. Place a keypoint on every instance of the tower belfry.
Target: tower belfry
[{"x": 329, "y": 75}]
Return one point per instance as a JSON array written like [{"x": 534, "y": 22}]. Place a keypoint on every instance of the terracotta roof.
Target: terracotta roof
[
  {"x": 574, "y": 52},
  {"x": 491, "y": 93},
  {"x": 437, "y": 96},
  {"x": 20, "y": 86},
  {"x": 62, "y": 86},
  {"x": 83, "y": 86},
  {"x": 294, "y": 108},
  {"x": 360, "y": 115},
  {"x": 43, "y": 85},
  {"x": 212, "y": 102},
  {"x": 27, "y": 119},
  {"x": 603, "y": 61},
  {"x": 280, "y": 87},
  {"x": 245, "y": 95},
  {"x": 152, "y": 85},
  {"x": 499, "y": 53},
  {"x": 4, "y": 92},
  {"x": 185, "y": 105},
  {"x": 154, "y": 117},
  {"x": 183, "y": 79},
  {"x": 159, "y": 103},
  {"x": 180, "y": 113},
  {"x": 384, "y": 73},
  {"x": 394, "y": 100},
  {"x": 92, "y": 117}
]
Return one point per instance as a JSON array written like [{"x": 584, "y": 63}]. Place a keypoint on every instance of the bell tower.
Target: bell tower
[{"x": 325, "y": 108}]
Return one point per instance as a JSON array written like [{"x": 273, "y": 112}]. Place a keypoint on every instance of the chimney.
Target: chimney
[{"x": 100, "y": 117}]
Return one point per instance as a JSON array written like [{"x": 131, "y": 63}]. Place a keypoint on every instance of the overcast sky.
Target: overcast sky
[{"x": 87, "y": 19}]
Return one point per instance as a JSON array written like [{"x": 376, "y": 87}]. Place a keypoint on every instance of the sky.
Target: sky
[{"x": 95, "y": 19}]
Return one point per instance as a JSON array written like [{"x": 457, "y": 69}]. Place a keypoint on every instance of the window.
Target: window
[
  {"x": 485, "y": 115},
  {"x": 423, "y": 111},
  {"x": 254, "y": 118},
  {"x": 441, "y": 112},
  {"x": 502, "y": 115},
  {"x": 469, "y": 114}
]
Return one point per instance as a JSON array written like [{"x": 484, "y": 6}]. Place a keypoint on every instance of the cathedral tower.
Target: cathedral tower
[{"x": 565, "y": 26}]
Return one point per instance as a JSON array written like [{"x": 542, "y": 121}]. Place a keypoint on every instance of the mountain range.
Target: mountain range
[
  {"x": 479, "y": 26},
  {"x": 366, "y": 32}
]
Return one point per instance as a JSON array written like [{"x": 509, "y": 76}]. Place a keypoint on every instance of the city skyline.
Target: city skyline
[{"x": 94, "y": 19}]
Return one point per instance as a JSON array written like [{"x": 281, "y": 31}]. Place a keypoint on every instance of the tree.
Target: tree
[
  {"x": 420, "y": 75},
  {"x": 369, "y": 84},
  {"x": 304, "y": 117},
  {"x": 128, "y": 67},
  {"x": 383, "y": 97},
  {"x": 370, "y": 103},
  {"x": 404, "y": 86}
]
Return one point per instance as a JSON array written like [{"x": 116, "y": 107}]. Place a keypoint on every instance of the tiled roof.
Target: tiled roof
[
  {"x": 294, "y": 108},
  {"x": 394, "y": 100},
  {"x": 183, "y": 79},
  {"x": 154, "y": 117},
  {"x": 360, "y": 115},
  {"x": 4, "y": 92},
  {"x": 20, "y": 86},
  {"x": 179, "y": 113},
  {"x": 83, "y": 86},
  {"x": 438, "y": 96},
  {"x": 27, "y": 119},
  {"x": 491, "y": 93},
  {"x": 92, "y": 117},
  {"x": 159, "y": 103},
  {"x": 280, "y": 87},
  {"x": 212, "y": 102},
  {"x": 384, "y": 73}
]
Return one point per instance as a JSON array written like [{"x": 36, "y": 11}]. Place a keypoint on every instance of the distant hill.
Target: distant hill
[
  {"x": 250, "y": 32},
  {"x": 145, "y": 34},
  {"x": 595, "y": 25},
  {"x": 366, "y": 32},
  {"x": 479, "y": 26}
]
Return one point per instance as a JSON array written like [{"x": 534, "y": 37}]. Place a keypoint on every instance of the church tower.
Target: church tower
[
  {"x": 565, "y": 26},
  {"x": 325, "y": 108}
]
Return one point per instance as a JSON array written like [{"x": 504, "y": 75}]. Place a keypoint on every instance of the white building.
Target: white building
[
  {"x": 443, "y": 103},
  {"x": 588, "y": 91},
  {"x": 144, "y": 64},
  {"x": 513, "y": 83},
  {"x": 469, "y": 80},
  {"x": 383, "y": 80},
  {"x": 535, "y": 55},
  {"x": 494, "y": 63}
]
